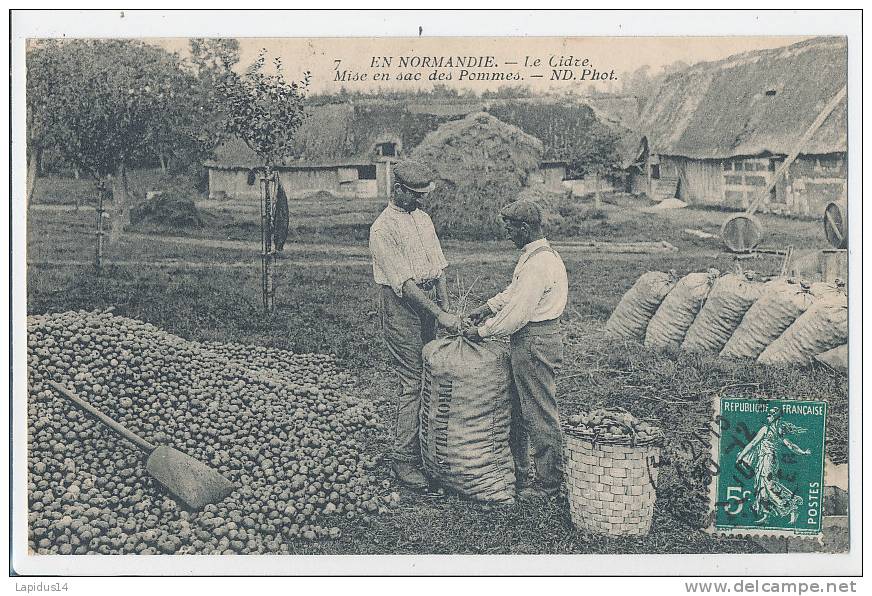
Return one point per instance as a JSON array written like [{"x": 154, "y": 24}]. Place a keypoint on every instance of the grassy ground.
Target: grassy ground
[
  {"x": 64, "y": 190},
  {"x": 326, "y": 303}
]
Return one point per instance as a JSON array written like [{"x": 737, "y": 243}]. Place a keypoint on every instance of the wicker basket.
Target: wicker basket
[{"x": 611, "y": 487}]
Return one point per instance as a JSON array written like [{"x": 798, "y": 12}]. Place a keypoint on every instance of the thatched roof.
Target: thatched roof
[
  {"x": 751, "y": 104},
  {"x": 348, "y": 132},
  {"x": 326, "y": 138},
  {"x": 622, "y": 110},
  {"x": 479, "y": 143},
  {"x": 337, "y": 134},
  {"x": 628, "y": 146}
]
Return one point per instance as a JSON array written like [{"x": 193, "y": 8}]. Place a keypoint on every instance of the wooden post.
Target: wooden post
[
  {"x": 266, "y": 224},
  {"x": 388, "y": 178},
  {"x": 32, "y": 171},
  {"x": 597, "y": 200},
  {"x": 834, "y": 264},
  {"x": 98, "y": 257}
]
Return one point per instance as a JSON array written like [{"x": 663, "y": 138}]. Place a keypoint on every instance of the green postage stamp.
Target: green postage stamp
[{"x": 769, "y": 457}]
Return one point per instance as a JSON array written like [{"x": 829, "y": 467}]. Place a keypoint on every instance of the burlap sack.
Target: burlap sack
[
  {"x": 836, "y": 358},
  {"x": 670, "y": 323},
  {"x": 466, "y": 416},
  {"x": 780, "y": 304},
  {"x": 730, "y": 298},
  {"x": 824, "y": 290},
  {"x": 822, "y": 327},
  {"x": 632, "y": 314}
]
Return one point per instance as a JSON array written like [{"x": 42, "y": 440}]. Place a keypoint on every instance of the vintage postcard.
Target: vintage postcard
[{"x": 291, "y": 290}]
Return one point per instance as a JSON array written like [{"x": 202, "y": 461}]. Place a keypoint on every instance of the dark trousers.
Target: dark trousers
[
  {"x": 536, "y": 354},
  {"x": 406, "y": 331}
]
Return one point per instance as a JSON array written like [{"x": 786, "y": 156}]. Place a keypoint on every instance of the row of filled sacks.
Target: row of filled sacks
[{"x": 779, "y": 321}]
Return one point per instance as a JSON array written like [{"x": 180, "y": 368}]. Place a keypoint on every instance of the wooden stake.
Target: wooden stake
[
  {"x": 267, "y": 255},
  {"x": 98, "y": 257}
]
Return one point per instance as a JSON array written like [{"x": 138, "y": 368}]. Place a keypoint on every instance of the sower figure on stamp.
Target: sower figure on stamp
[
  {"x": 409, "y": 267},
  {"x": 762, "y": 455},
  {"x": 529, "y": 312}
]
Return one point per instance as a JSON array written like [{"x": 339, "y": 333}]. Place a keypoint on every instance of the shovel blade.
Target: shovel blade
[{"x": 187, "y": 479}]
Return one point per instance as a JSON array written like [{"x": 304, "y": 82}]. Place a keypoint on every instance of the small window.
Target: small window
[
  {"x": 771, "y": 93},
  {"x": 366, "y": 172},
  {"x": 655, "y": 171},
  {"x": 386, "y": 149}
]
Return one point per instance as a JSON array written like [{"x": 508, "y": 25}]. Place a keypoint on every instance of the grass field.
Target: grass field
[{"x": 204, "y": 285}]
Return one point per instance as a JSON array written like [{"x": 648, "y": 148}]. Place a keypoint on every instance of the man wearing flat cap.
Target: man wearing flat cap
[
  {"x": 528, "y": 311},
  {"x": 409, "y": 267}
]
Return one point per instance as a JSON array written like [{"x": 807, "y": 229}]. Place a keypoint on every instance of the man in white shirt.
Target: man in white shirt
[
  {"x": 409, "y": 267},
  {"x": 528, "y": 311}
]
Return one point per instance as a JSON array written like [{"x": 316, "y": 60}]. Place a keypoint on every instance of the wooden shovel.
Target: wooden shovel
[{"x": 192, "y": 482}]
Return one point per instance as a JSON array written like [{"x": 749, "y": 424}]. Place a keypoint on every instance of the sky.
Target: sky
[{"x": 611, "y": 58}]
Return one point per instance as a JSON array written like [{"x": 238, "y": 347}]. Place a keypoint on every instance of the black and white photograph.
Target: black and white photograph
[{"x": 280, "y": 299}]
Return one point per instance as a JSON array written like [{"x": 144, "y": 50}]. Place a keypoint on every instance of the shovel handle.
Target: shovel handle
[{"x": 120, "y": 429}]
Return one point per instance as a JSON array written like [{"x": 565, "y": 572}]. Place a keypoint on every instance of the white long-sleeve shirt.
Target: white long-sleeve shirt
[
  {"x": 404, "y": 246},
  {"x": 538, "y": 292}
]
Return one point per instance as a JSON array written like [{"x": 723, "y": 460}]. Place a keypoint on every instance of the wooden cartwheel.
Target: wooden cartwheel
[
  {"x": 836, "y": 223},
  {"x": 742, "y": 232}
]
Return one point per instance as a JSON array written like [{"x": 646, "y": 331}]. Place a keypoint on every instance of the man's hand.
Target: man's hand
[
  {"x": 479, "y": 314},
  {"x": 449, "y": 321},
  {"x": 471, "y": 333}
]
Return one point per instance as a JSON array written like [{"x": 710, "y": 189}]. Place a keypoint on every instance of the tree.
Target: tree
[
  {"x": 264, "y": 111},
  {"x": 105, "y": 103},
  {"x": 211, "y": 61},
  {"x": 36, "y": 129},
  {"x": 212, "y": 58},
  {"x": 508, "y": 92},
  {"x": 638, "y": 82},
  {"x": 570, "y": 132},
  {"x": 674, "y": 67},
  {"x": 187, "y": 136}
]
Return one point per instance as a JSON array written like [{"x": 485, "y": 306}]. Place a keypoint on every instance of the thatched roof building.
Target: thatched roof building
[
  {"x": 716, "y": 132},
  {"x": 751, "y": 104},
  {"x": 343, "y": 148}
]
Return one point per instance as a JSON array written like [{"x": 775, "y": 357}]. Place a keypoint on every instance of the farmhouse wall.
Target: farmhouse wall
[
  {"x": 804, "y": 190},
  {"x": 637, "y": 182},
  {"x": 744, "y": 180},
  {"x": 231, "y": 183},
  {"x": 312, "y": 180},
  {"x": 554, "y": 175},
  {"x": 811, "y": 182},
  {"x": 700, "y": 180},
  {"x": 297, "y": 182},
  {"x": 590, "y": 185}
]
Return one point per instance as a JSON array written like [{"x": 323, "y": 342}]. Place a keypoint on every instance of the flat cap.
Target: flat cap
[
  {"x": 414, "y": 175},
  {"x": 524, "y": 210}
]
